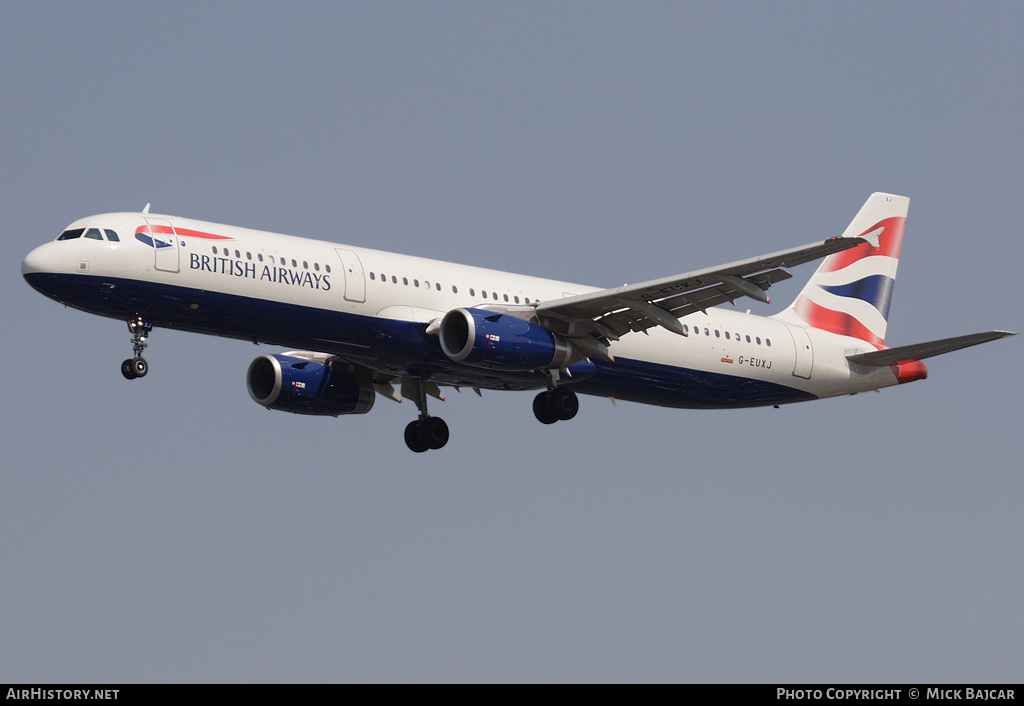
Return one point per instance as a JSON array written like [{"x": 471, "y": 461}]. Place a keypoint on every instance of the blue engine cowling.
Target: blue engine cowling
[
  {"x": 488, "y": 339},
  {"x": 306, "y": 387}
]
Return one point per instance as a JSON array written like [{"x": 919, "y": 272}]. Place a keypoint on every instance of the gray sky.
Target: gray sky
[{"x": 170, "y": 529}]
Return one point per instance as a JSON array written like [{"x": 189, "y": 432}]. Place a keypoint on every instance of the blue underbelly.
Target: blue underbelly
[{"x": 390, "y": 346}]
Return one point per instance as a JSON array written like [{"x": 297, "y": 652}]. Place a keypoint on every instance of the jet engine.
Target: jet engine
[
  {"x": 306, "y": 387},
  {"x": 488, "y": 339}
]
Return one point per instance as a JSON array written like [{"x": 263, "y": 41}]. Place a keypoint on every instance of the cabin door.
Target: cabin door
[
  {"x": 804, "y": 354},
  {"x": 165, "y": 244},
  {"x": 355, "y": 282}
]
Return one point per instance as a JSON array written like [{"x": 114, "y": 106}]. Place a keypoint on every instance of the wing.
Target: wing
[{"x": 611, "y": 313}]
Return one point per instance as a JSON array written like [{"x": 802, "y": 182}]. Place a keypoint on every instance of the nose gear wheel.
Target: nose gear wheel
[{"x": 137, "y": 367}]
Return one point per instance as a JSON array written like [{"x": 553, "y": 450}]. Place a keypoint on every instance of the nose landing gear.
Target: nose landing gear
[{"x": 137, "y": 367}]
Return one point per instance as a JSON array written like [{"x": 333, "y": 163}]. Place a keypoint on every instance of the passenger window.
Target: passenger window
[
  {"x": 748, "y": 339},
  {"x": 438, "y": 285},
  {"x": 373, "y": 276},
  {"x": 506, "y": 297},
  {"x": 706, "y": 332},
  {"x": 416, "y": 283},
  {"x": 768, "y": 342},
  {"x": 248, "y": 255},
  {"x": 405, "y": 281},
  {"x": 471, "y": 292},
  {"x": 727, "y": 335},
  {"x": 455, "y": 290},
  {"x": 294, "y": 263},
  {"x": 394, "y": 279},
  {"x": 482, "y": 292},
  {"x": 718, "y": 334},
  {"x": 758, "y": 339},
  {"x": 316, "y": 266},
  {"x": 238, "y": 255},
  {"x": 327, "y": 267},
  {"x": 214, "y": 249},
  {"x": 517, "y": 299},
  {"x": 71, "y": 234},
  {"x": 305, "y": 265},
  {"x": 111, "y": 236},
  {"x": 259, "y": 256},
  {"x": 94, "y": 234}
]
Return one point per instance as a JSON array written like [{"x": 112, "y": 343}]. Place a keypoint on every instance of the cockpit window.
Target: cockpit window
[
  {"x": 111, "y": 235},
  {"x": 71, "y": 234},
  {"x": 94, "y": 234}
]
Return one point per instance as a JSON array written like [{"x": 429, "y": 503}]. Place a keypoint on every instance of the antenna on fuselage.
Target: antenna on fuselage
[{"x": 146, "y": 209}]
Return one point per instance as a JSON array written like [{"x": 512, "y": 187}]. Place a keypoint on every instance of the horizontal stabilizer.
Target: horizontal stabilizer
[{"x": 919, "y": 351}]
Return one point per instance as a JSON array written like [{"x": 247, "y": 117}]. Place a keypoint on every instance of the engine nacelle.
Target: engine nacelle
[
  {"x": 306, "y": 387},
  {"x": 488, "y": 339}
]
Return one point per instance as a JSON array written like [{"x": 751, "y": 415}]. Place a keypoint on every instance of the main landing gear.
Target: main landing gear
[
  {"x": 426, "y": 432},
  {"x": 137, "y": 367},
  {"x": 556, "y": 404}
]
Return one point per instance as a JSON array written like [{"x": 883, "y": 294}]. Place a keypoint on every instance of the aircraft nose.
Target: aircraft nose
[{"x": 42, "y": 259}]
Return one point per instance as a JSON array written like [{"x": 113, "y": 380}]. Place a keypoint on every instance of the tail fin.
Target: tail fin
[{"x": 849, "y": 294}]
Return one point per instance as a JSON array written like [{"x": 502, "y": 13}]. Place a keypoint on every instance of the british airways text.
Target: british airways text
[{"x": 249, "y": 270}]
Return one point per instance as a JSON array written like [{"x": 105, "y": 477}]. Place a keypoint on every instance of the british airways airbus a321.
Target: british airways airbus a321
[{"x": 374, "y": 323}]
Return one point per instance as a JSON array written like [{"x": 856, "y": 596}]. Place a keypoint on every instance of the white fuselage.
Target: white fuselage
[{"x": 315, "y": 294}]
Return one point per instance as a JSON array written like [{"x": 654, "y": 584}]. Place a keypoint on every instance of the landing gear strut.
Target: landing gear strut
[
  {"x": 426, "y": 432},
  {"x": 554, "y": 405},
  {"x": 137, "y": 367}
]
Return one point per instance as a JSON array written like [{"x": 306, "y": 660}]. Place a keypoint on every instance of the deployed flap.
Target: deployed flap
[
  {"x": 614, "y": 312},
  {"x": 919, "y": 351}
]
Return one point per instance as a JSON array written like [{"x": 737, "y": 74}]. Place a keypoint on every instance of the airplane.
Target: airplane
[{"x": 366, "y": 323}]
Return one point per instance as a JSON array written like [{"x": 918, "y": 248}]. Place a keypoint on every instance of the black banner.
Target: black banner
[{"x": 791, "y": 693}]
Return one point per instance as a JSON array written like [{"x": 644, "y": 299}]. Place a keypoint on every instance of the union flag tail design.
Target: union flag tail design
[{"x": 850, "y": 292}]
